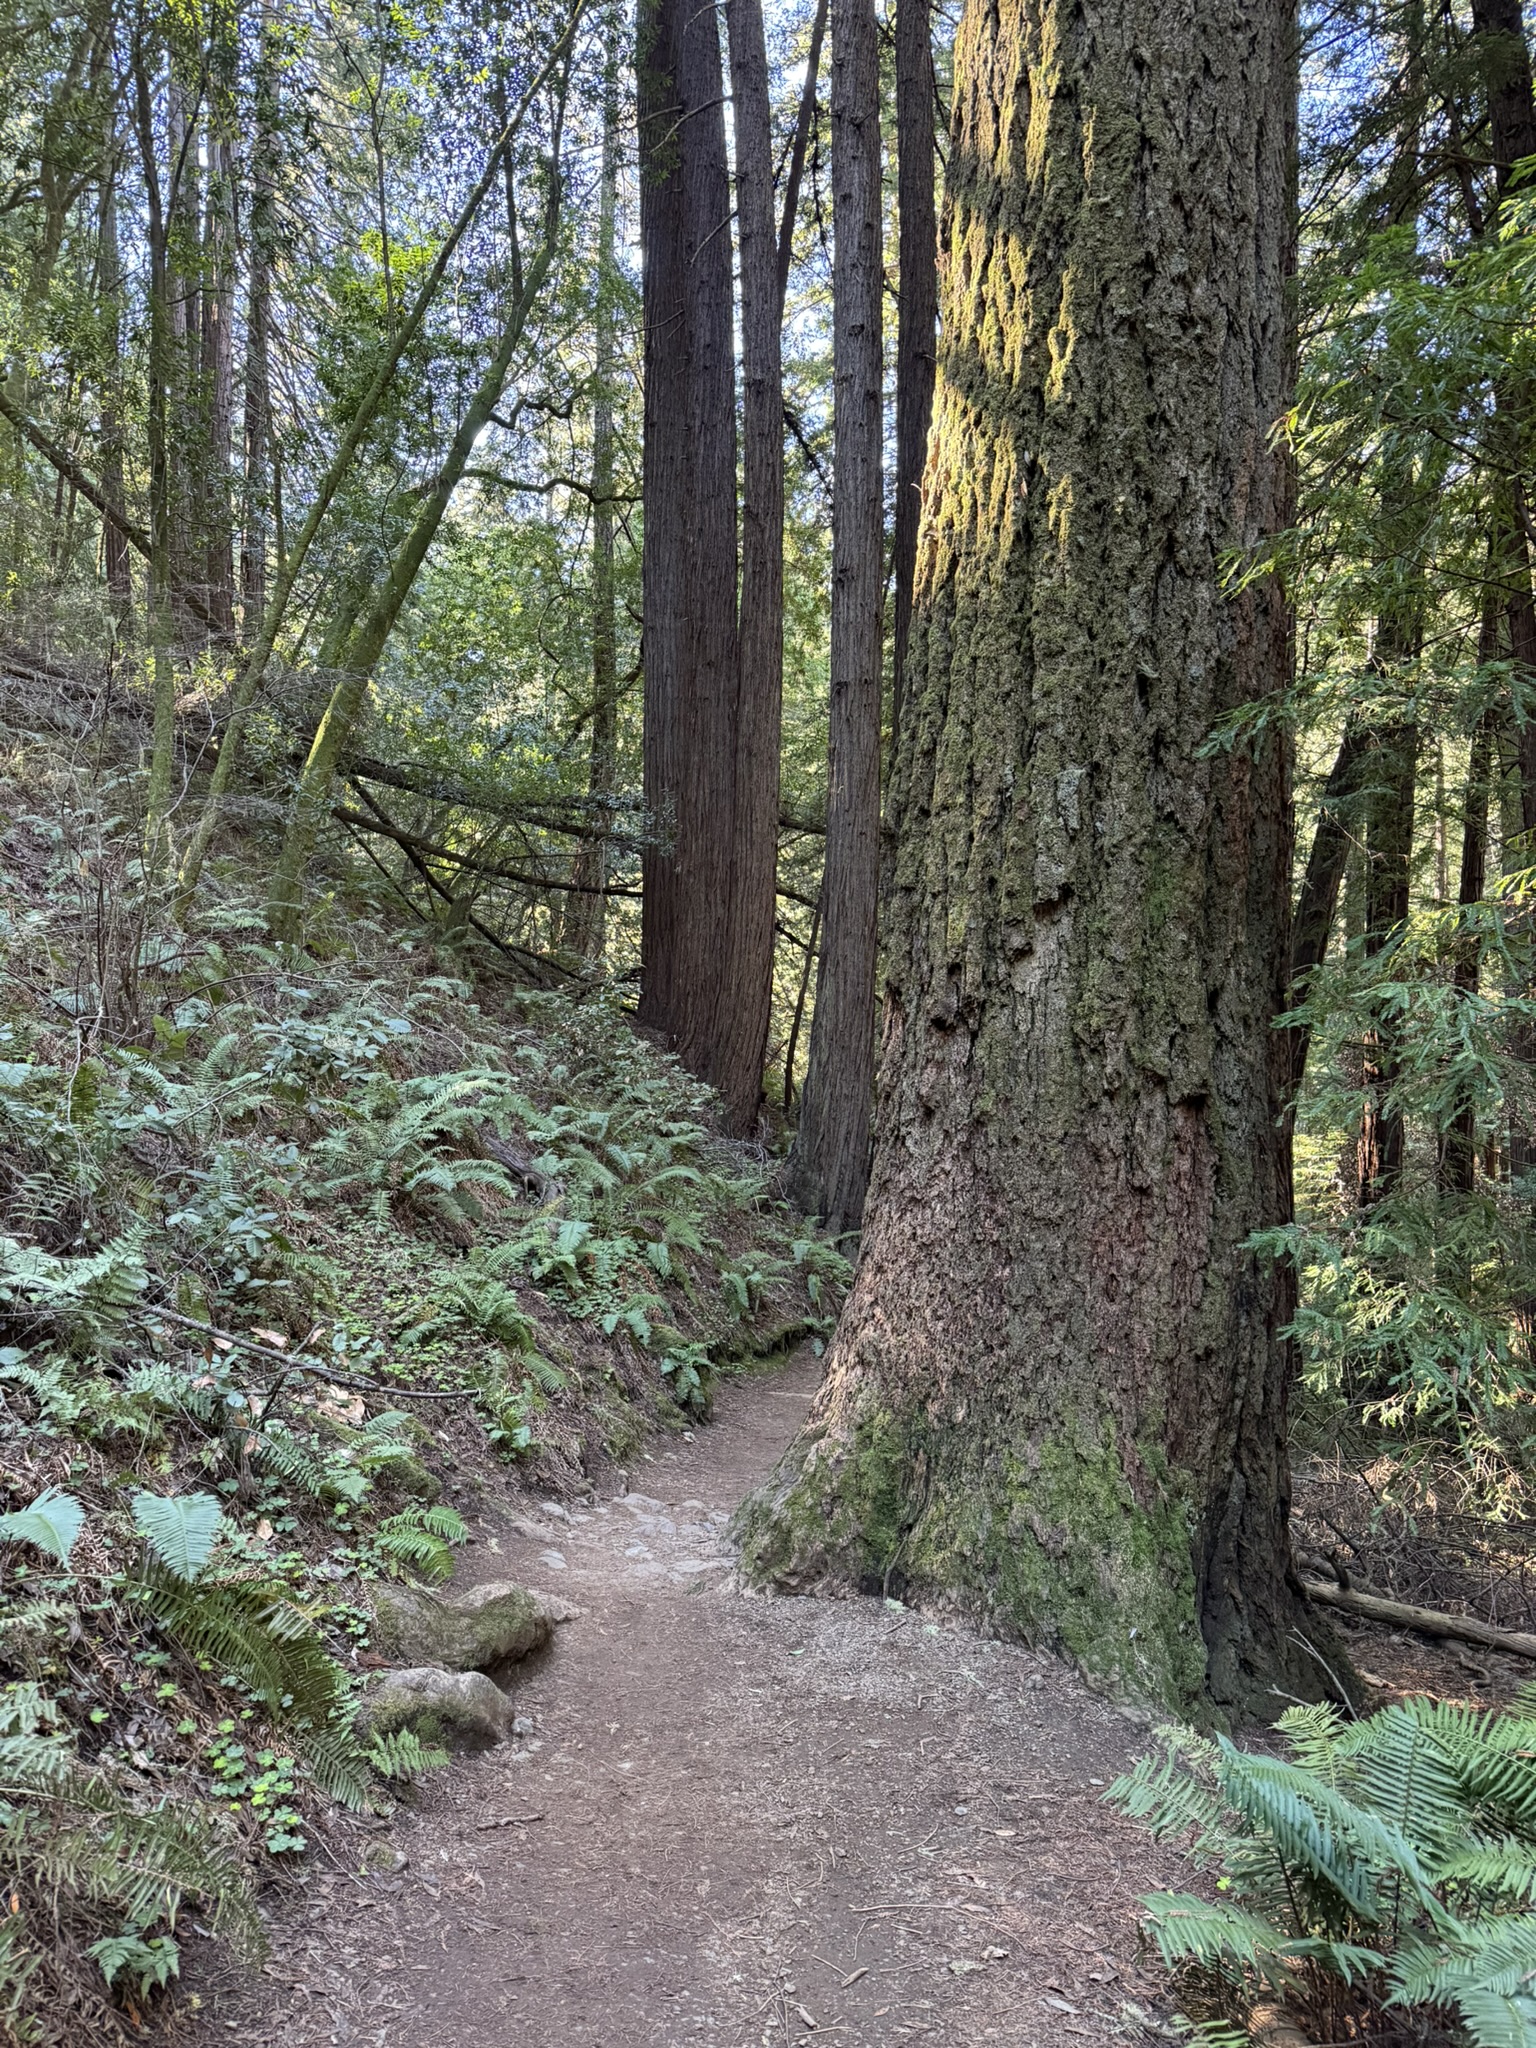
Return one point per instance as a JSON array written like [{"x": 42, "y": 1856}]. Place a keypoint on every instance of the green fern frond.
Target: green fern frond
[
  {"x": 1191, "y": 1930},
  {"x": 402, "y": 1755}
]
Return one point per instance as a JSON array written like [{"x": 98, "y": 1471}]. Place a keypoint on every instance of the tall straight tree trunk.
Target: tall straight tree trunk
[
  {"x": 586, "y": 911},
  {"x": 796, "y": 170},
  {"x": 1389, "y": 771},
  {"x": 157, "y": 801},
  {"x": 829, "y": 1166},
  {"x": 1057, "y": 1395},
  {"x": 746, "y": 995},
  {"x": 256, "y": 496},
  {"x": 218, "y": 385},
  {"x": 917, "y": 316},
  {"x": 1458, "y": 1146},
  {"x": 186, "y": 413},
  {"x": 114, "y": 544},
  {"x": 1499, "y": 26},
  {"x": 1318, "y": 902},
  {"x": 688, "y": 571}
]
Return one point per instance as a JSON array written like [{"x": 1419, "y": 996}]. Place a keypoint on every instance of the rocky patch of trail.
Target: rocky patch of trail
[{"x": 737, "y": 1820}]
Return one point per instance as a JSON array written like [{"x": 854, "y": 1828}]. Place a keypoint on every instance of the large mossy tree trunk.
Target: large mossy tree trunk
[{"x": 1057, "y": 1396}]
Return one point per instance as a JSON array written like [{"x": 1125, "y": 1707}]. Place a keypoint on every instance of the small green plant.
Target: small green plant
[
  {"x": 422, "y": 1539},
  {"x": 403, "y": 1756},
  {"x": 263, "y": 1781},
  {"x": 1388, "y": 1865}
]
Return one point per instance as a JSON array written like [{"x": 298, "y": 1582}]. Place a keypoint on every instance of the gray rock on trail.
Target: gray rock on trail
[
  {"x": 475, "y": 1630},
  {"x": 439, "y": 1706}
]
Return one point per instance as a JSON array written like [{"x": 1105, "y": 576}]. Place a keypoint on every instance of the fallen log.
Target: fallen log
[{"x": 1425, "y": 1621}]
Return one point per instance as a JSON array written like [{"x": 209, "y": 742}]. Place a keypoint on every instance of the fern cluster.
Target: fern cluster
[
  {"x": 1386, "y": 1864},
  {"x": 91, "y": 1871}
]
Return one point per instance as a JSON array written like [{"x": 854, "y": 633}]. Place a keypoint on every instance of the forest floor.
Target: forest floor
[{"x": 738, "y": 1820}]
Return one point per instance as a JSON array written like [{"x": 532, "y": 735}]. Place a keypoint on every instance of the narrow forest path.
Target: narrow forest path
[{"x": 739, "y": 1819}]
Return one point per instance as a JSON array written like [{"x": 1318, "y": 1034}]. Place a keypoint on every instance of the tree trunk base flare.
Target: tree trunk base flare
[
  {"x": 1056, "y": 1400},
  {"x": 1040, "y": 1534}
]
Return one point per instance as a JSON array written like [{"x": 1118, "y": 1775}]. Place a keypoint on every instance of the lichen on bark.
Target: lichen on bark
[{"x": 1057, "y": 1394}]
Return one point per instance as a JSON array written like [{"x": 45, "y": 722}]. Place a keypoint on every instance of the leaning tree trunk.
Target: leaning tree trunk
[
  {"x": 1057, "y": 1396},
  {"x": 828, "y": 1169}
]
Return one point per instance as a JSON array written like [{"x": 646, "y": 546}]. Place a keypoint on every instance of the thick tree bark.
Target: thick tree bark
[
  {"x": 741, "y": 1036},
  {"x": 828, "y": 1169},
  {"x": 689, "y": 564},
  {"x": 917, "y": 317},
  {"x": 1057, "y": 1396}
]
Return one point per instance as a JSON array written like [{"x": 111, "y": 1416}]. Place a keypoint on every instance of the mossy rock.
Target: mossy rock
[
  {"x": 438, "y": 1706},
  {"x": 498, "y": 1623}
]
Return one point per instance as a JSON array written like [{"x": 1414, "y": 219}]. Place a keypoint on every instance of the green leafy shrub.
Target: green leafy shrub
[{"x": 1387, "y": 1867}]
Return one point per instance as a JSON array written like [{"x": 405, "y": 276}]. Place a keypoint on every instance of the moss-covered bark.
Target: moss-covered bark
[{"x": 1057, "y": 1395}]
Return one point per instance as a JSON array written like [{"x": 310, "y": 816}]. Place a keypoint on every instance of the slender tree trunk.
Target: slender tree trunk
[
  {"x": 161, "y": 353},
  {"x": 257, "y": 424},
  {"x": 114, "y": 544},
  {"x": 689, "y": 562},
  {"x": 917, "y": 318},
  {"x": 290, "y": 561},
  {"x": 1318, "y": 903},
  {"x": 313, "y": 797},
  {"x": 796, "y": 169},
  {"x": 1057, "y": 1395},
  {"x": 218, "y": 385},
  {"x": 1389, "y": 772},
  {"x": 186, "y": 409},
  {"x": 1499, "y": 26},
  {"x": 586, "y": 912},
  {"x": 829, "y": 1166},
  {"x": 1458, "y": 1147},
  {"x": 746, "y": 995}
]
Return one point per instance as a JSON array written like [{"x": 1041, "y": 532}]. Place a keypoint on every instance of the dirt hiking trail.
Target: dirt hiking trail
[{"x": 738, "y": 1820}]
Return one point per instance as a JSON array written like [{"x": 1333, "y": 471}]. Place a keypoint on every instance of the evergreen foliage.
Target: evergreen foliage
[{"x": 1386, "y": 1866}]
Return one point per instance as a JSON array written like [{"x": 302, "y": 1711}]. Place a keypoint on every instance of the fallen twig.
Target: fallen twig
[{"x": 316, "y": 1369}]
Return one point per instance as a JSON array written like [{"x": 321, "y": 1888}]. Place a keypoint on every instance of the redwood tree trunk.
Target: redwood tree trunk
[
  {"x": 1057, "y": 1396},
  {"x": 741, "y": 1042},
  {"x": 917, "y": 316},
  {"x": 689, "y": 565},
  {"x": 829, "y": 1167}
]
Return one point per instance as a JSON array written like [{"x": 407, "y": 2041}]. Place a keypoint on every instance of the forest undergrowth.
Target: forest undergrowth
[{"x": 295, "y": 1247}]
